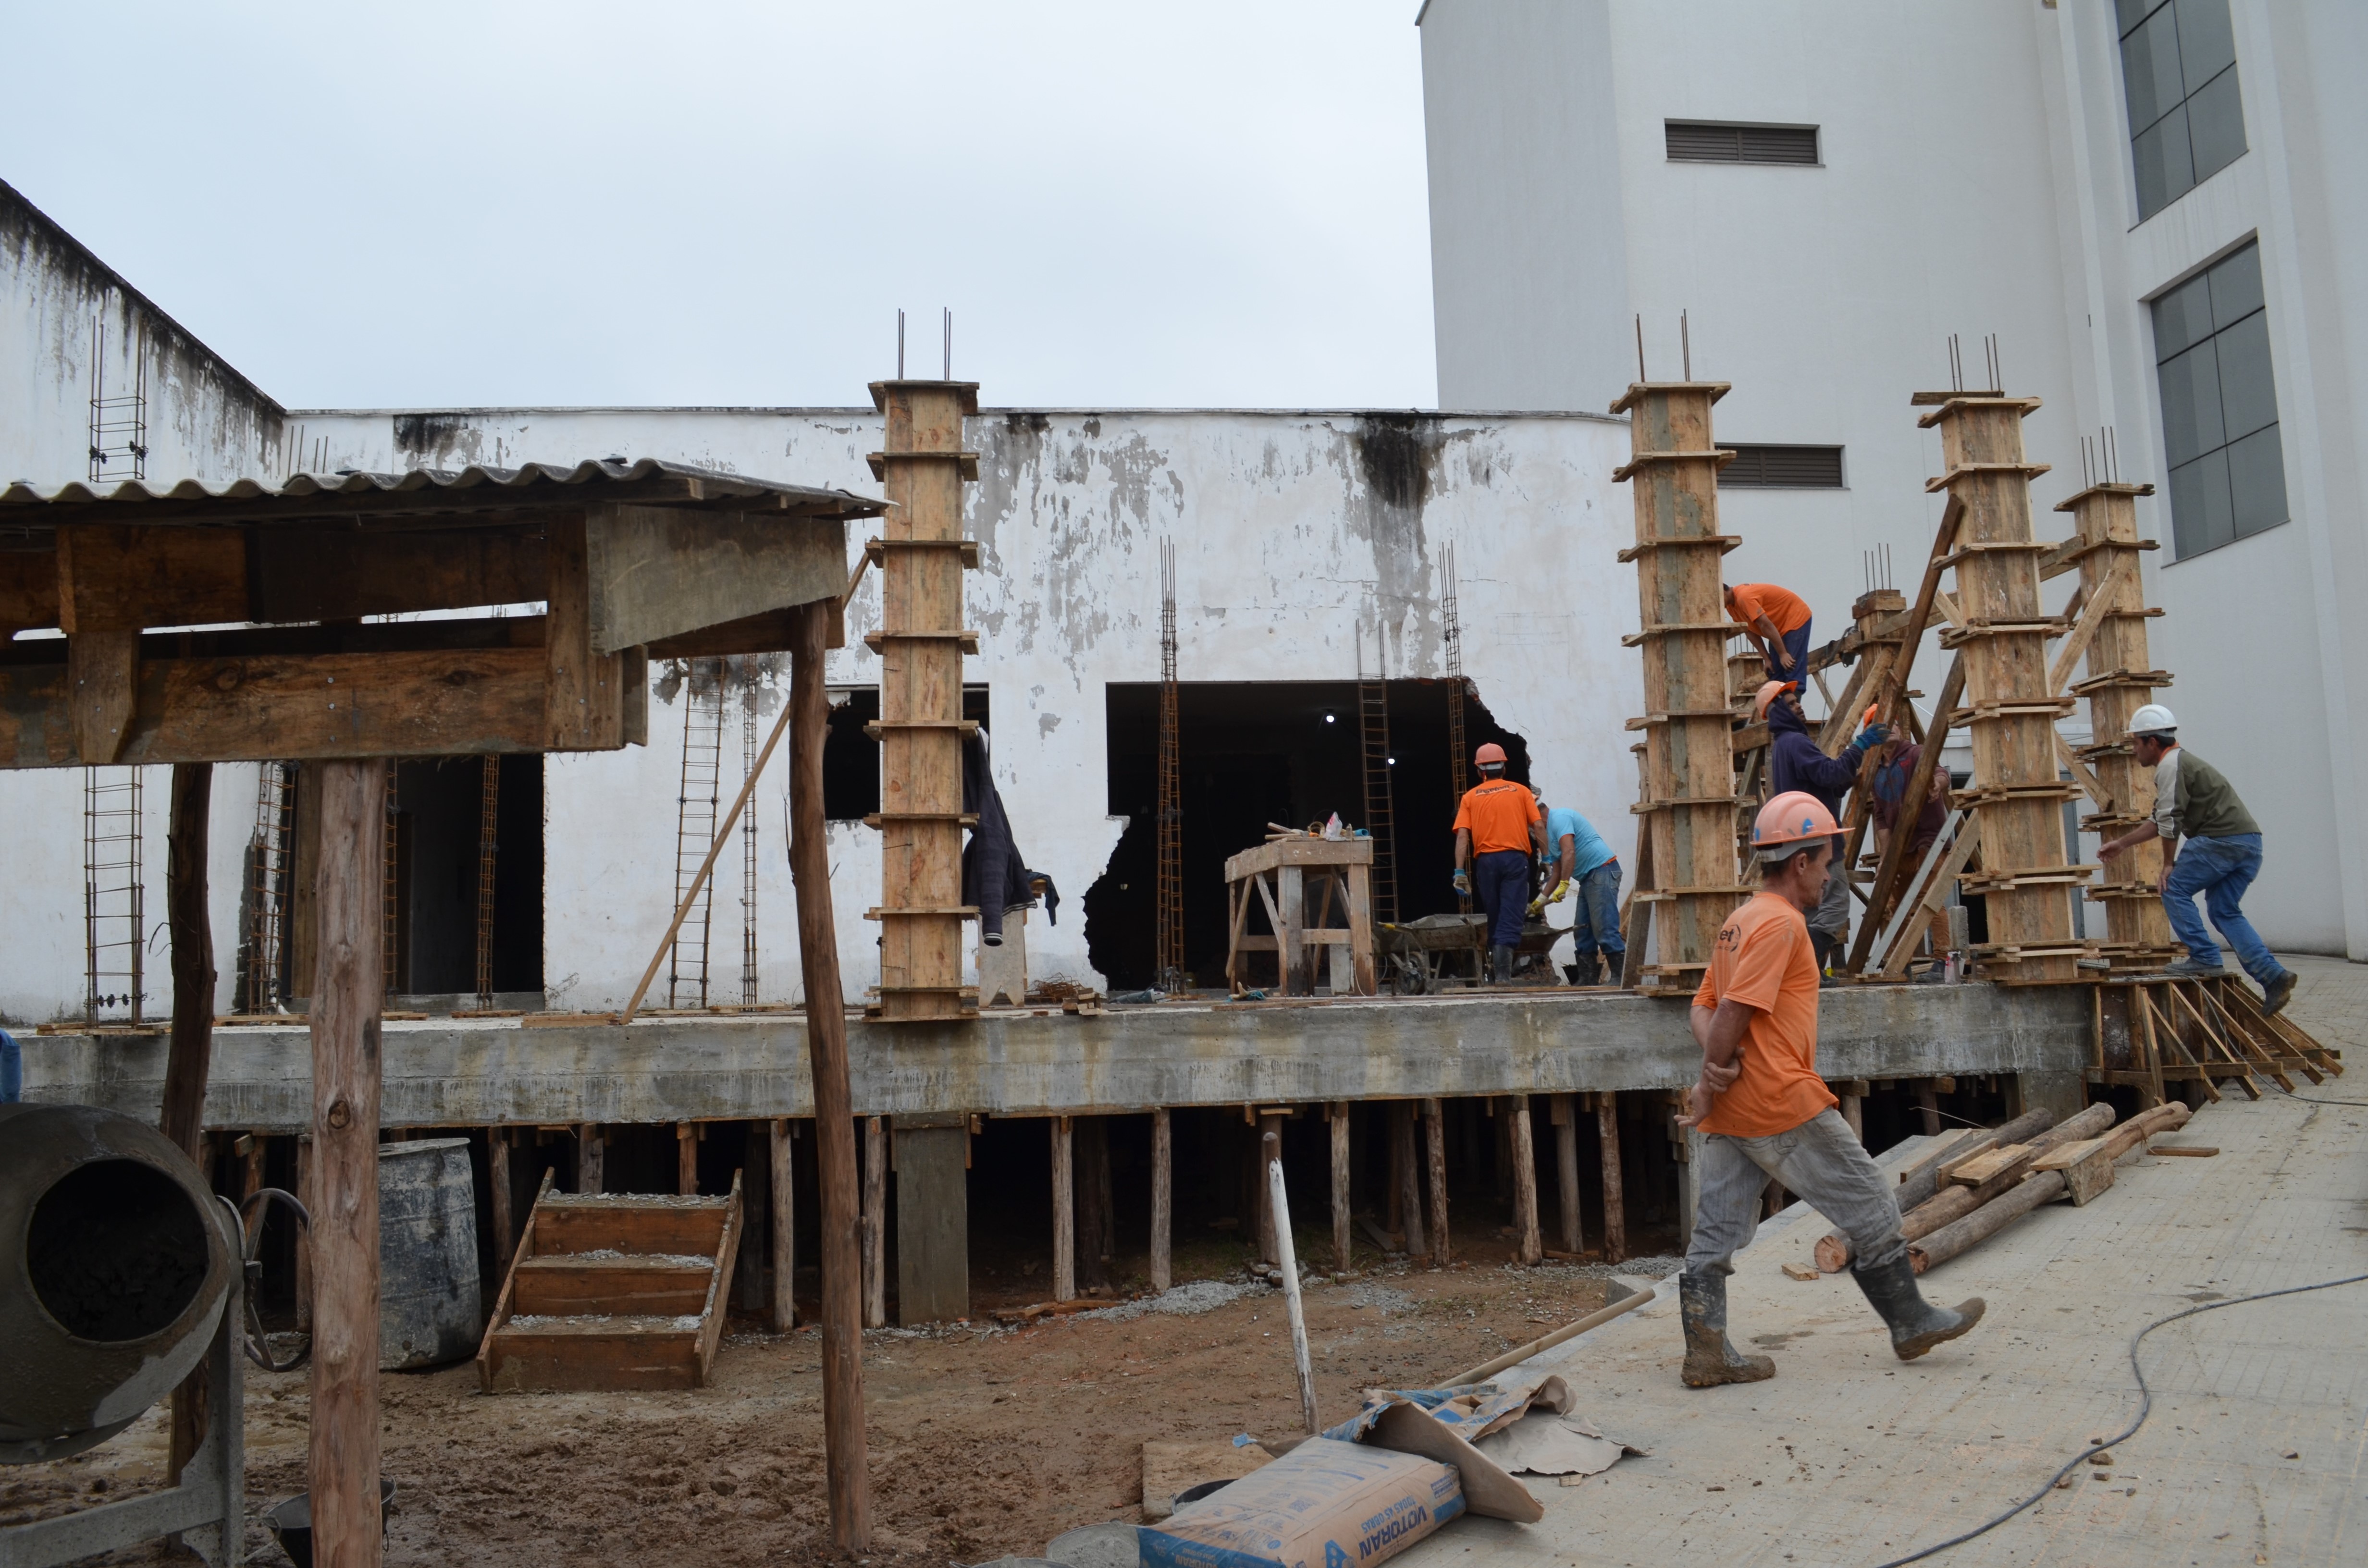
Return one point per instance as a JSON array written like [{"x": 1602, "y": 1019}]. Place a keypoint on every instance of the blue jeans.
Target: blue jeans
[
  {"x": 12, "y": 1069},
  {"x": 1595, "y": 923},
  {"x": 2221, "y": 869},
  {"x": 1796, "y": 643},
  {"x": 1500, "y": 882}
]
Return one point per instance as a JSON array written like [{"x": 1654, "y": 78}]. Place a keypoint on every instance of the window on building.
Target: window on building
[
  {"x": 1716, "y": 141},
  {"x": 2178, "y": 68},
  {"x": 1783, "y": 467},
  {"x": 2219, "y": 406}
]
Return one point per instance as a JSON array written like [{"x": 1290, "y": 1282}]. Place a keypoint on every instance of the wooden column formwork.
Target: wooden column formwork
[
  {"x": 921, "y": 641},
  {"x": 1690, "y": 788},
  {"x": 2122, "y": 679},
  {"x": 2011, "y": 711}
]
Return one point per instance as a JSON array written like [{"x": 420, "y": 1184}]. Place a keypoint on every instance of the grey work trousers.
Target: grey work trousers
[
  {"x": 1820, "y": 1160},
  {"x": 1833, "y": 912}
]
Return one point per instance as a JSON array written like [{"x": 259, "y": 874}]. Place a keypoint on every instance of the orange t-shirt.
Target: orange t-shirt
[
  {"x": 1497, "y": 813},
  {"x": 1764, "y": 959},
  {"x": 1786, "y": 610}
]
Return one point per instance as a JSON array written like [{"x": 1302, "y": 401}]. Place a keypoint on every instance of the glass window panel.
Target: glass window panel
[
  {"x": 2190, "y": 405},
  {"x": 2215, "y": 125},
  {"x": 2182, "y": 318},
  {"x": 2249, "y": 395},
  {"x": 2201, "y": 519},
  {"x": 2150, "y": 69},
  {"x": 2256, "y": 481},
  {"x": 2130, "y": 13},
  {"x": 2163, "y": 169},
  {"x": 2207, "y": 44},
  {"x": 2236, "y": 287}
]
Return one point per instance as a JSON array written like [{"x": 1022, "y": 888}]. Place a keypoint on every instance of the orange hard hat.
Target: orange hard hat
[
  {"x": 1767, "y": 697},
  {"x": 1873, "y": 711},
  {"x": 1488, "y": 753},
  {"x": 1794, "y": 817}
]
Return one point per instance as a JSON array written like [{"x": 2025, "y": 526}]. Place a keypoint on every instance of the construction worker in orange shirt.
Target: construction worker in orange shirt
[
  {"x": 1777, "y": 621},
  {"x": 1498, "y": 829}
]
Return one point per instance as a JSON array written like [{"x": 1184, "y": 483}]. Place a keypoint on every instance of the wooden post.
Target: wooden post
[
  {"x": 189, "y": 1058},
  {"x": 1163, "y": 1177},
  {"x": 1615, "y": 1202},
  {"x": 343, "y": 1453},
  {"x": 920, "y": 645},
  {"x": 303, "y": 1238},
  {"x": 591, "y": 1158},
  {"x": 1266, "y": 1249},
  {"x": 839, "y": 1247},
  {"x": 1525, "y": 1182},
  {"x": 2016, "y": 798},
  {"x": 1852, "y": 1093},
  {"x": 1565, "y": 1126},
  {"x": 780, "y": 1299},
  {"x": 1096, "y": 1224},
  {"x": 1065, "y": 1212},
  {"x": 1434, "y": 1117},
  {"x": 1690, "y": 800},
  {"x": 499, "y": 1197},
  {"x": 685, "y": 1159},
  {"x": 1406, "y": 1170},
  {"x": 875, "y": 1225},
  {"x": 1930, "y": 1104},
  {"x": 1340, "y": 1185},
  {"x": 2121, "y": 678}
]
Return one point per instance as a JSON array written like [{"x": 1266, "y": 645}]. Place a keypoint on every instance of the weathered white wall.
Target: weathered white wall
[
  {"x": 1291, "y": 530},
  {"x": 1976, "y": 181}
]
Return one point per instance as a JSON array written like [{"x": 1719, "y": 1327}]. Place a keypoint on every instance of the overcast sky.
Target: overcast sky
[{"x": 444, "y": 205}]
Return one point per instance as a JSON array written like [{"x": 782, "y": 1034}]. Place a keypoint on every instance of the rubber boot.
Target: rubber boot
[
  {"x": 1823, "y": 945},
  {"x": 1710, "y": 1359},
  {"x": 1501, "y": 961},
  {"x": 1916, "y": 1324}
]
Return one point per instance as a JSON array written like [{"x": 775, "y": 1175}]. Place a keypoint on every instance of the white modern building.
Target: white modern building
[{"x": 2158, "y": 207}]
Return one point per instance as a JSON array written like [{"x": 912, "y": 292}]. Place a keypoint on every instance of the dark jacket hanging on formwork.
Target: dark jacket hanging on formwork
[{"x": 993, "y": 878}]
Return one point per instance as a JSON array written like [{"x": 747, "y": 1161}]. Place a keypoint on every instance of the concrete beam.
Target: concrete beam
[{"x": 473, "y": 1072}]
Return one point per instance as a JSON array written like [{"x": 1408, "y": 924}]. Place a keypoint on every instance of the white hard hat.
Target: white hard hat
[{"x": 2153, "y": 719}]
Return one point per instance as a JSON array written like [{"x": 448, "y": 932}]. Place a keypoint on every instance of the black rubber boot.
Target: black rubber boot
[
  {"x": 1502, "y": 960},
  {"x": 1710, "y": 1359},
  {"x": 1916, "y": 1324}
]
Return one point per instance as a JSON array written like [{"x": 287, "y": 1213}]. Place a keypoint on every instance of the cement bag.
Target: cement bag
[{"x": 1325, "y": 1504}]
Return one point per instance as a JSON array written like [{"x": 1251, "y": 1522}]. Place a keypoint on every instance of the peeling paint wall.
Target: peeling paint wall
[{"x": 1292, "y": 531}]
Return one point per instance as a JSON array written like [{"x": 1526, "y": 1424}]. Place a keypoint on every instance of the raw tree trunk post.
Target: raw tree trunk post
[
  {"x": 1852, "y": 1092},
  {"x": 875, "y": 1223},
  {"x": 591, "y": 1158},
  {"x": 347, "y": 993},
  {"x": 1525, "y": 1182},
  {"x": 1615, "y": 1202},
  {"x": 781, "y": 1302},
  {"x": 1268, "y": 1251},
  {"x": 1393, "y": 1187},
  {"x": 1163, "y": 1165},
  {"x": 1409, "y": 1177},
  {"x": 1065, "y": 1212},
  {"x": 1094, "y": 1217},
  {"x": 685, "y": 1159},
  {"x": 498, "y": 1197},
  {"x": 840, "y": 1248},
  {"x": 1927, "y": 1103},
  {"x": 1340, "y": 1185},
  {"x": 1433, "y": 1116},
  {"x": 304, "y": 1196},
  {"x": 1565, "y": 1126},
  {"x": 190, "y": 1055}
]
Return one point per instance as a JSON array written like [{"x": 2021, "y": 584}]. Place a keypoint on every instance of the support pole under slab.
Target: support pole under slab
[
  {"x": 1525, "y": 1182},
  {"x": 1406, "y": 1171},
  {"x": 1064, "y": 1211},
  {"x": 591, "y": 1158},
  {"x": 189, "y": 1056},
  {"x": 1163, "y": 1188},
  {"x": 1340, "y": 1185},
  {"x": 1615, "y": 1202},
  {"x": 1565, "y": 1117},
  {"x": 780, "y": 1300},
  {"x": 875, "y": 1225},
  {"x": 1435, "y": 1119}
]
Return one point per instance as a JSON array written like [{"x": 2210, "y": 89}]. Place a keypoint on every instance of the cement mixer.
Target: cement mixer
[{"x": 119, "y": 1271}]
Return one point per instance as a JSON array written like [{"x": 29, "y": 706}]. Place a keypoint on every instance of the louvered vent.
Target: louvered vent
[
  {"x": 1711, "y": 142},
  {"x": 1783, "y": 468}
]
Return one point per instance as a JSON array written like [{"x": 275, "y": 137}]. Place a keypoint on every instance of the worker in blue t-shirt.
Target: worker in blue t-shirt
[{"x": 1577, "y": 857}]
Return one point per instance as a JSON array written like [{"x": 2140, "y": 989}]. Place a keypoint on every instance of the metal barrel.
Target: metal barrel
[{"x": 430, "y": 1307}]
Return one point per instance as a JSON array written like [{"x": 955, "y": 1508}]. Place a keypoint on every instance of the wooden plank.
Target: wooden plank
[
  {"x": 584, "y": 706},
  {"x": 1530, "y": 1246},
  {"x": 1935, "y": 894},
  {"x": 2101, "y": 604},
  {"x": 499, "y": 1194},
  {"x": 1896, "y": 866},
  {"x": 103, "y": 684},
  {"x": 591, "y": 1157},
  {"x": 563, "y": 1226},
  {"x": 343, "y": 573},
  {"x": 28, "y": 590},
  {"x": 1615, "y": 1218},
  {"x": 112, "y": 577},
  {"x": 659, "y": 572},
  {"x": 1064, "y": 1212},
  {"x": 601, "y": 1356},
  {"x": 1361, "y": 932},
  {"x": 1162, "y": 1182},
  {"x": 1441, "y": 1248},
  {"x": 1341, "y": 1231},
  {"x": 1989, "y": 1166},
  {"x": 342, "y": 1458},
  {"x": 719, "y": 1286},
  {"x": 651, "y": 1287},
  {"x": 875, "y": 1223},
  {"x": 1300, "y": 851},
  {"x": 780, "y": 1298}
]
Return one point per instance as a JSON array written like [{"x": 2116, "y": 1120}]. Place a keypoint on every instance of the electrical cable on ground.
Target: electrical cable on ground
[{"x": 2146, "y": 1408}]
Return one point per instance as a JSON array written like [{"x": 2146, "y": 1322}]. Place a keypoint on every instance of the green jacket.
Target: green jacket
[{"x": 2192, "y": 799}]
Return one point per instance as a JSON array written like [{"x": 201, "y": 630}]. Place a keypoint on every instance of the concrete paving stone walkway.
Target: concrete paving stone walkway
[{"x": 2256, "y": 1453}]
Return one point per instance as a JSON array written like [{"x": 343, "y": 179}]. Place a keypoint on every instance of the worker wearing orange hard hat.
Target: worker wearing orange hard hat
[
  {"x": 1763, "y": 1111},
  {"x": 1497, "y": 828},
  {"x": 1777, "y": 621}
]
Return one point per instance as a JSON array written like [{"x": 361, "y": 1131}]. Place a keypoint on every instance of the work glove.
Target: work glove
[
  {"x": 1463, "y": 882},
  {"x": 1873, "y": 736},
  {"x": 1537, "y": 906},
  {"x": 1561, "y": 892}
]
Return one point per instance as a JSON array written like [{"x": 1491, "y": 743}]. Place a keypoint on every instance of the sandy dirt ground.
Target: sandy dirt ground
[{"x": 984, "y": 1441}]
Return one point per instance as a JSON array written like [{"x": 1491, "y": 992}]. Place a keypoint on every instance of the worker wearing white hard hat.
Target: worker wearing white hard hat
[
  {"x": 2219, "y": 860},
  {"x": 1763, "y": 1111}
]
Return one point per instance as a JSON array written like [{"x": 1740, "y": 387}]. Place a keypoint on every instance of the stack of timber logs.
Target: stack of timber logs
[
  {"x": 921, "y": 641},
  {"x": 1690, "y": 794},
  {"x": 2105, "y": 547},
  {"x": 2011, "y": 709}
]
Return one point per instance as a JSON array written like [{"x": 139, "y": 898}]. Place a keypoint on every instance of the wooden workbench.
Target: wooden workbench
[{"x": 1283, "y": 874}]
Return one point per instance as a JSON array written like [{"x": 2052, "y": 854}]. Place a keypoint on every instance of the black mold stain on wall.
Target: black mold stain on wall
[{"x": 1397, "y": 454}]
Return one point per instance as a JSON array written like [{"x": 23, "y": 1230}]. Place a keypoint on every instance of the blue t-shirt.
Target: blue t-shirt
[{"x": 1587, "y": 847}]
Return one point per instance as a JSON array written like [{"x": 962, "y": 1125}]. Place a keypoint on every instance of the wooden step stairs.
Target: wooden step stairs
[{"x": 613, "y": 1291}]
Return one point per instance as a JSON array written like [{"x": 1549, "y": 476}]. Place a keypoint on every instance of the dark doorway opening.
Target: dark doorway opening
[
  {"x": 438, "y": 827},
  {"x": 1255, "y": 752},
  {"x": 850, "y": 758}
]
